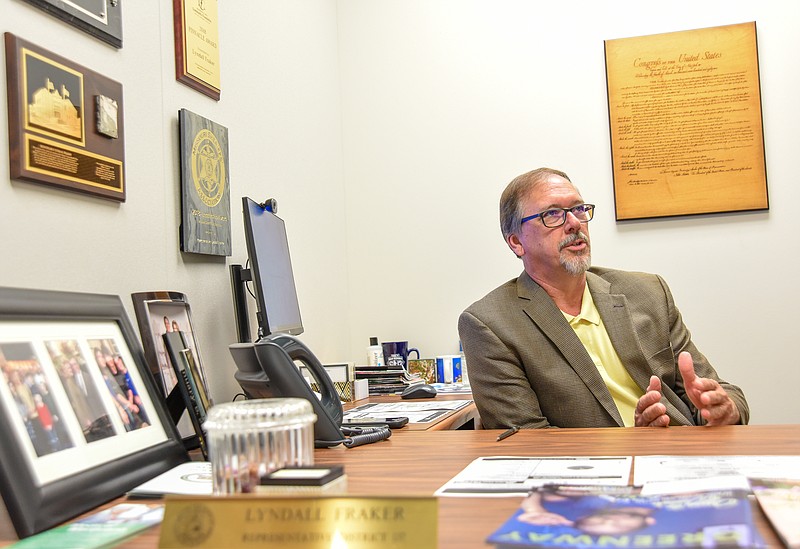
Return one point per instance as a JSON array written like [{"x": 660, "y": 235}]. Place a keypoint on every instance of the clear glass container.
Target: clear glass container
[{"x": 248, "y": 439}]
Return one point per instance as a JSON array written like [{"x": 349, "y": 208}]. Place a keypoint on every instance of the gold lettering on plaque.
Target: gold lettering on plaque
[
  {"x": 208, "y": 168},
  {"x": 201, "y": 41}
]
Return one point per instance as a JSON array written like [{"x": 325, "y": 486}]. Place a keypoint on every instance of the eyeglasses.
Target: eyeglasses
[{"x": 556, "y": 217}]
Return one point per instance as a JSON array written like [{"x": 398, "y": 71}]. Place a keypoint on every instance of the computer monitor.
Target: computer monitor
[
  {"x": 271, "y": 271},
  {"x": 269, "y": 368}
]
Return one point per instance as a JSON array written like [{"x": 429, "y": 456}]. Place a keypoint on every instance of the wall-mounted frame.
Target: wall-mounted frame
[
  {"x": 65, "y": 123},
  {"x": 80, "y": 418},
  {"x": 196, "y": 26},
  {"x": 686, "y": 125},
  {"x": 157, "y": 313},
  {"x": 205, "y": 185},
  {"x": 100, "y": 18}
]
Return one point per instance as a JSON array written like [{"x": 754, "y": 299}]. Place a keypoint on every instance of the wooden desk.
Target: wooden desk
[
  {"x": 420, "y": 462},
  {"x": 464, "y": 418}
]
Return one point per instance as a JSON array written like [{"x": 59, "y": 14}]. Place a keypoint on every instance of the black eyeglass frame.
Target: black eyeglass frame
[{"x": 588, "y": 208}]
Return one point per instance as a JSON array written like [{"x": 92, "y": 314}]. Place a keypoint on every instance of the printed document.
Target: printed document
[{"x": 502, "y": 476}]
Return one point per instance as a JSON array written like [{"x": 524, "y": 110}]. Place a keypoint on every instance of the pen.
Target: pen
[{"x": 507, "y": 433}]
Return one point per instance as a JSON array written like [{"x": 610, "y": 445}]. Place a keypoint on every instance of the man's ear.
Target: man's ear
[{"x": 515, "y": 245}]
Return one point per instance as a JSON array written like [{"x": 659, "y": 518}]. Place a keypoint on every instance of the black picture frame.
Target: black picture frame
[
  {"x": 192, "y": 392},
  {"x": 43, "y": 483},
  {"x": 151, "y": 308},
  {"x": 104, "y": 23}
]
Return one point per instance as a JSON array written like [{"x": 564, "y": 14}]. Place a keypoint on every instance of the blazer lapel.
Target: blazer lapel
[
  {"x": 542, "y": 310},
  {"x": 614, "y": 312}
]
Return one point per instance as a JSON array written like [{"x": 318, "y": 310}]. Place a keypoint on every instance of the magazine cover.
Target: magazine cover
[
  {"x": 780, "y": 501},
  {"x": 614, "y": 516}
]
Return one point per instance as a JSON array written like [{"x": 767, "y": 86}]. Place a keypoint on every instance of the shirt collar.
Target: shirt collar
[{"x": 589, "y": 312}]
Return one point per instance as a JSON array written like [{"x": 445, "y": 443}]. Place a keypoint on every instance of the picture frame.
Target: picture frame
[
  {"x": 77, "y": 429},
  {"x": 99, "y": 18},
  {"x": 66, "y": 125},
  {"x": 196, "y": 30},
  {"x": 192, "y": 391},
  {"x": 153, "y": 309}
]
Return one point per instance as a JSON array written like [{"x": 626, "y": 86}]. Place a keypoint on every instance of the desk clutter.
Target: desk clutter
[{"x": 674, "y": 502}]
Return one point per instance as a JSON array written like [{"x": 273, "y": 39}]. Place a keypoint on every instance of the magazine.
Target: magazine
[
  {"x": 99, "y": 530},
  {"x": 780, "y": 501},
  {"x": 620, "y": 516}
]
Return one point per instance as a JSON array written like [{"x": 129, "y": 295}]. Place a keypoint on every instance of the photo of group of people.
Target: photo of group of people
[
  {"x": 126, "y": 399},
  {"x": 33, "y": 398},
  {"x": 63, "y": 396}
]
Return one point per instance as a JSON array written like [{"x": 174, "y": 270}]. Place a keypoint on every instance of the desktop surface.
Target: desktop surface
[{"x": 420, "y": 462}]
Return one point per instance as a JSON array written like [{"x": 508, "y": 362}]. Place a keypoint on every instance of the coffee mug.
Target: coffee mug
[{"x": 395, "y": 354}]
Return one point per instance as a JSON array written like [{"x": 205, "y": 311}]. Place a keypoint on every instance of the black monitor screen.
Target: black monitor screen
[{"x": 271, "y": 269}]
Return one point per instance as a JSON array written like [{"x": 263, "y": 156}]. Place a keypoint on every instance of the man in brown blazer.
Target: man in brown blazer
[{"x": 570, "y": 345}]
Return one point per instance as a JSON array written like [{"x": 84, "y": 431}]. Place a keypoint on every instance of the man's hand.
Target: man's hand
[
  {"x": 715, "y": 406},
  {"x": 649, "y": 410}
]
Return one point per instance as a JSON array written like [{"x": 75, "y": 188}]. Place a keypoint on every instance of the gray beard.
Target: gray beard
[{"x": 576, "y": 265}]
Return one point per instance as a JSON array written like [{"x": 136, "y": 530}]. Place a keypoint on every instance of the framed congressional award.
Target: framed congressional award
[
  {"x": 100, "y": 18},
  {"x": 197, "y": 45},
  {"x": 685, "y": 118},
  {"x": 205, "y": 190},
  {"x": 65, "y": 123}
]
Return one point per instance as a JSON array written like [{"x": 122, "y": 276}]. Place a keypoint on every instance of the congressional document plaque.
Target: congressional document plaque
[
  {"x": 197, "y": 45},
  {"x": 686, "y": 129},
  {"x": 205, "y": 192},
  {"x": 65, "y": 122}
]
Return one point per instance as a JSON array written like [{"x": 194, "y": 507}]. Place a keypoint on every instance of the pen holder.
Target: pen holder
[{"x": 249, "y": 439}]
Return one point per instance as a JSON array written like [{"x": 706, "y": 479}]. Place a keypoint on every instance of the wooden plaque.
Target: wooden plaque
[
  {"x": 686, "y": 129},
  {"x": 197, "y": 45},
  {"x": 65, "y": 122}
]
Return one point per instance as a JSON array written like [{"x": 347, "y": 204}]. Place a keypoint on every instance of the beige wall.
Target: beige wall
[{"x": 386, "y": 130}]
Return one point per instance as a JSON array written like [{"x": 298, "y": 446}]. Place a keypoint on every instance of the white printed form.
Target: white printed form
[{"x": 502, "y": 476}]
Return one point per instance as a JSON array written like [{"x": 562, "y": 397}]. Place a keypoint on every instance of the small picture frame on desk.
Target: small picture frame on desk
[
  {"x": 157, "y": 313},
  {"x": 190, "y": 386},
  {"x": 81, "y": 421}
]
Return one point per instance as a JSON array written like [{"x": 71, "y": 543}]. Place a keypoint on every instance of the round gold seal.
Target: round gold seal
[
  {"x": 194, "y": 525},
  {"x": 208, "y": 168}
]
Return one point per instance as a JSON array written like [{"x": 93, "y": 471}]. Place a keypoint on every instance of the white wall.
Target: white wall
[
  {"x": 280, "y": 103},
  {"x": 445, "y": 101},
  {"x": 387, "y": 129}
]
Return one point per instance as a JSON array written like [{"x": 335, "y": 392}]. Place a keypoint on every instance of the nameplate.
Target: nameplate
[{"x": 299, "y": 522}]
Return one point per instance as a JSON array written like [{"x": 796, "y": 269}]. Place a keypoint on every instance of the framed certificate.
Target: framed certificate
[{"x": 197, "y": 45}]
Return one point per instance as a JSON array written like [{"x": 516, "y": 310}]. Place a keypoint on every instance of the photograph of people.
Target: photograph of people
[{"x": 33, "y": 397}]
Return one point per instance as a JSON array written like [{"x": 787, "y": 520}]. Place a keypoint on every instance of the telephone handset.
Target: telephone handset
[{"x": 266, "y": 369}]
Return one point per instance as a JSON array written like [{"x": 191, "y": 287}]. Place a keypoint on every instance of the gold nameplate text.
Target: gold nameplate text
[{"x": 299, "y": 522}]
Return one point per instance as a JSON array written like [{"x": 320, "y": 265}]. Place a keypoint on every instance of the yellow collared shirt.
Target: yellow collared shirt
[{"x": 590, "y": 330}]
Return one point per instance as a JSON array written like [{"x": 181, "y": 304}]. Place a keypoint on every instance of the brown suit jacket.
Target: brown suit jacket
[{"x": 528, "y": 368}]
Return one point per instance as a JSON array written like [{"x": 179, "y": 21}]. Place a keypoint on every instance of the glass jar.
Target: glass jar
[{"x": 248, "y": 439}]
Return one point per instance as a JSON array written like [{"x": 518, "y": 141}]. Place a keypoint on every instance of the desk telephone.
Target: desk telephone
[{"x": 266, "y": 369}]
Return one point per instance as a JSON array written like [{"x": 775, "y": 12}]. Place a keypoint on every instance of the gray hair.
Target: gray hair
[{"x": 511, "y": 201}]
